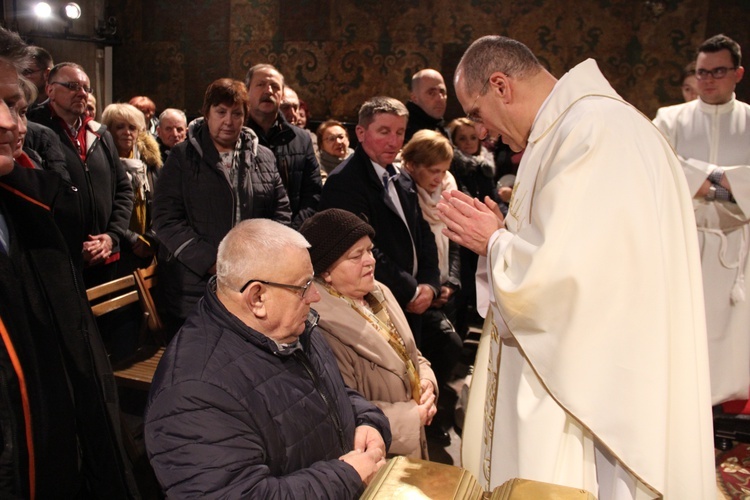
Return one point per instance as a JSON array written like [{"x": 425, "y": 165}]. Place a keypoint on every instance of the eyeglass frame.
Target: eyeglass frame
[
  {"x": 470, "y": 115},
  {"x": 304, "y": 287},
  {"x": 74, "y": 87},
  {"x": 712, "y": 72}
]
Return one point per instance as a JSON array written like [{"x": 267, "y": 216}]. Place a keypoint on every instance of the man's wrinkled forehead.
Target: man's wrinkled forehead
[
  {"x": 427, "y": 83},
  {"x": 267, "y": 75},
  {"x": 290, "y": 94},
  {"x": 174, "y": 120},
  {"x": 72, "y": 74}
]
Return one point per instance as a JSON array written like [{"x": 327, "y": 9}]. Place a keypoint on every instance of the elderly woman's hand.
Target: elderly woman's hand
[
  {"x": 426, "y": 406},
  {"x": 427, "y": 410},
  {"x": 427, "y": 389}
]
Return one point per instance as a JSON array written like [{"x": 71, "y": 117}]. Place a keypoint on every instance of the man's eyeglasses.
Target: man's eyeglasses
[
  {"x": 716, "y": 73},
  {"x": 304, "y": 288},
  {"x": 74, "y": 86},
  {"x": 472, "y": 115}
]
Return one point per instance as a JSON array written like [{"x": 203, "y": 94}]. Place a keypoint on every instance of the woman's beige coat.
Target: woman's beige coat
[{"x": 371, "y": 366}]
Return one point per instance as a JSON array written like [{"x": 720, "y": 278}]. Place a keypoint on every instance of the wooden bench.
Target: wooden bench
[{"x": 137, "y": 372}]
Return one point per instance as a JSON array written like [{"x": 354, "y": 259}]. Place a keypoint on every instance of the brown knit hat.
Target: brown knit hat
[{"x": 331, "y": 233}]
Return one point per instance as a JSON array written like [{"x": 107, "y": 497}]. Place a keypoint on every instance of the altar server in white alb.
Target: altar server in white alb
[
  {"x": 592, "y": 371},
  {"x": 712, "y": 137}
]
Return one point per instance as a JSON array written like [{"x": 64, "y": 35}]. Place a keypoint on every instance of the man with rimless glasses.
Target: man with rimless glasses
[
  {"x": 248, "y": 400},
  {"x": 95, "y": 169},
  {"x": 712, "y": 137}
]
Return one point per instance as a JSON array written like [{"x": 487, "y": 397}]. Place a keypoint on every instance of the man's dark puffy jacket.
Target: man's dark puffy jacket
[
  {"x": 298, "y": 166},
  {"x": 232, "y": 416},
  {"x": 194, "y": 208}
]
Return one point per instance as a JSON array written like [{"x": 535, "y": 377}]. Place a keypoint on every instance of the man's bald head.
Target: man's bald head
[
  {"x": 290, "y": 105},
  {"x": 428, "y": 91}
]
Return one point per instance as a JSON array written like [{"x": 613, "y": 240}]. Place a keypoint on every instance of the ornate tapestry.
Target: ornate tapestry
[{"x": 337, "y": 53}]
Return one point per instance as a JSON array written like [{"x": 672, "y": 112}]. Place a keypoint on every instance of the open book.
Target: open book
[{"x": 413, "y": 479}]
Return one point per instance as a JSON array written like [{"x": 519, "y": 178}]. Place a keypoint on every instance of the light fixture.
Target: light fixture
[
  {"x": 72, "y": 10},
  {"x": 43, "y": 10}
]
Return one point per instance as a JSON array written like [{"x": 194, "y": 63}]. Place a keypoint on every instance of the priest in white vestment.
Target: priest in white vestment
[
  {"x": 592, "y": 371},
  {"x": 712, "y": 137}
]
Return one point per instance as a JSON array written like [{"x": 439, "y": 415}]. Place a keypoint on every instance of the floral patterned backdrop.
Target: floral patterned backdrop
[{"x": 337, "y": 53}]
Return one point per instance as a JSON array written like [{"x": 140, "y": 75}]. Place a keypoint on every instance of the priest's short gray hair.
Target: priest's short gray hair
[{"x": 495, "y": 53}]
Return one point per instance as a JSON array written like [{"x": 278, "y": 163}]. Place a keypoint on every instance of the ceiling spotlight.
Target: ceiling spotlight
[
  {"x": 72, "y": 10},
  {"x": 42, "y": 10}
]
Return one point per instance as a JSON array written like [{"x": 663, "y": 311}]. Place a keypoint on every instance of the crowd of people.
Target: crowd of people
[{"x": 316, "y": 295}]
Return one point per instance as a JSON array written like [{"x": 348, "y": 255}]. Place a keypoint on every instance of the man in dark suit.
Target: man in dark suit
[{"x": 367, "y": 183}]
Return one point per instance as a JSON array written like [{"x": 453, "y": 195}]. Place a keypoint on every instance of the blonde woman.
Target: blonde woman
[
  {"x": 139, "y": 154},
  {"x": 427, "y": 158}
]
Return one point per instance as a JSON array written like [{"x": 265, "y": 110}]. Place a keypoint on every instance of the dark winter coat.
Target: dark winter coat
[
  {"x": 419, "y": 120},
  {"x": 66, "y": 417},
  {"x": 106, "y": 193},
  {"x": 297, "y": 164},
  {"x": 474, "y": 174},
  {"x": 194, "y": 208},
  {"x": 231, "y": 416}
]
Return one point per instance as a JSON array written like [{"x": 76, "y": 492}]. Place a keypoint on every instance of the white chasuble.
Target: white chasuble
[{"x": 592, "y": 369}]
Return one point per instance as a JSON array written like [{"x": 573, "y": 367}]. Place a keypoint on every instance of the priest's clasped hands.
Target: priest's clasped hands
[{"x": 470, "y": 222}]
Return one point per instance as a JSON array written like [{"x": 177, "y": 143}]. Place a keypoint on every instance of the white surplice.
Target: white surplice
[
  {"x": 706, "y": 137},
  {"x": 592, "y": 369}
]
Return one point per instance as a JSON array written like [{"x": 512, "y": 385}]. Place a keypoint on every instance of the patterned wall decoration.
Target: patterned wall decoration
[{"x": 337, "y": 53}]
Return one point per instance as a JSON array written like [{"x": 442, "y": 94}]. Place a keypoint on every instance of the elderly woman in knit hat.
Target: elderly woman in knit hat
[{"x": 367, "y": 330}]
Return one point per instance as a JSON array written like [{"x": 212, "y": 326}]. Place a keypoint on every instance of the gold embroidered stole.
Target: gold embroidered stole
[
  {"x": 490, "y": 402},
  {"x": 376, "y": 314}
]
